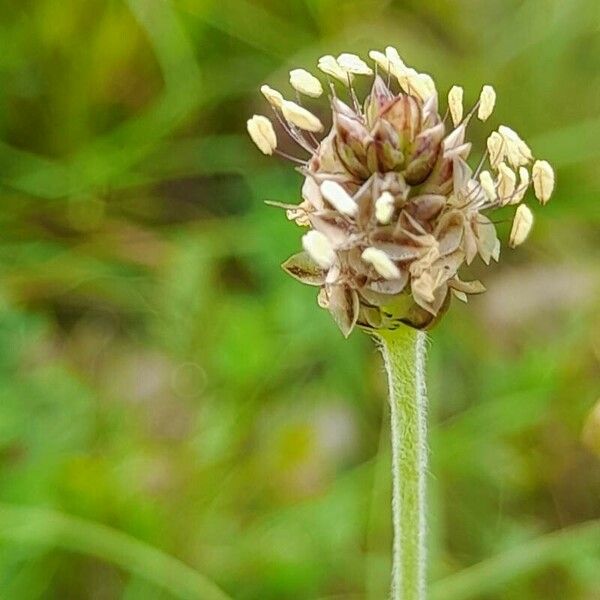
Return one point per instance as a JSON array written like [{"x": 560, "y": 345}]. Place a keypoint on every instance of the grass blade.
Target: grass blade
[{"x": 39, "y": 526}]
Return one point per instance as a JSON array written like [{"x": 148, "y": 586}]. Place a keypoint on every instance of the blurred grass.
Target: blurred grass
[
  {"x": 163, "y": 383},
  {"x": 35, "y": 526}
]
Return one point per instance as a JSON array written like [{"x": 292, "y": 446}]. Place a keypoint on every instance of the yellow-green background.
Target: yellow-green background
[{"x": 163, "y": 382}]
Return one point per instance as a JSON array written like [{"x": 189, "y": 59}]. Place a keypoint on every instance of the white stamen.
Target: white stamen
[
  {"x": 394, "y": 58},
  {"x": 412, "y": 82},
  {"x": 380, "y": 59},
  {"x": 543, "y": 180},
  {"x": 496, "y": 250},
  {"x": 319, "y": 249},
  {"x": 262, "y": 133},
  {"x": 496, "y": 150},
  {"x": 299, "y": 116},
  {"x": 305, "y": 83},
  {"x": 507, "y": 180},
  {"x": 339, "y": 198},
  {"x": 384, "y": 208},
  {"x": 381, "y": 262},
  {"x": 353, "y": 64},
  {"x": 330, "y": 66},
  {"x": 427, "y": 86},
  {"x": 487, "y": 184},
  {"x": 521, "y": 189},
  {"x": 522, "y": 224},
  {"x": 487, "y": 101},
  {"x": 517, "y": 151},
  {"x": 274, "y": 98},
  {"x": 523, "y": 177},
  {"x": 455, "y": 103}
]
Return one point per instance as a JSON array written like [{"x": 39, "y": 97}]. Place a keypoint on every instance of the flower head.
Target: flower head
[{"x": 393, "y": 208}]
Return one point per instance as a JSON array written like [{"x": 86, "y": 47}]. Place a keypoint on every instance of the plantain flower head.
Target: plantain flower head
[{"x": 392, "y": 206}]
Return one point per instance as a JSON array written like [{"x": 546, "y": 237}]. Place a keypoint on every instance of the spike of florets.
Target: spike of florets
[{"x": 392, "y": 205}]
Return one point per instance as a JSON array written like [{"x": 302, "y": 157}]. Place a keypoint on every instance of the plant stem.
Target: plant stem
[{"x": 404, "y": 355}]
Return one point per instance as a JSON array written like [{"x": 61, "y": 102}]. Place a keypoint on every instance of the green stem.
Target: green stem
[{"x": 404, "y": 355}]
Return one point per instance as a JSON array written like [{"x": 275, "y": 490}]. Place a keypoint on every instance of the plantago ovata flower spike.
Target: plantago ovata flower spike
[
  {"x": 393, "y": 177},
  {"x": 394, "y": 211}
]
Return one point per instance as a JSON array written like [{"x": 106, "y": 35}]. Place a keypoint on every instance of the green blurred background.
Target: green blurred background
[{"x": 166, "y": 391}]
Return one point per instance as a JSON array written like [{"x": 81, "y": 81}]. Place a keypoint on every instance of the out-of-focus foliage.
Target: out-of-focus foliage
[{"x": 159, "y": 375}]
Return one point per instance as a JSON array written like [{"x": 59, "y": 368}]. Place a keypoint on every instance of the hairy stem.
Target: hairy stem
[{"x": 404, "y": 356}]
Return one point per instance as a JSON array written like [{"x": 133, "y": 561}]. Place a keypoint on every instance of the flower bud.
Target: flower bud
[
  {"x": 305, "y": 83},
  {"x": 352, "y": 139},
  {"x": 377, "y": 100},
  {"x": 262, "y": 133},
  {"x": 384, "y": 153},
  {"x": 354, "y": 159},
  {"x": 404, "y": 115},
  {"x": 349, "y": 127},
  {"x": 422, "y": 159}
]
